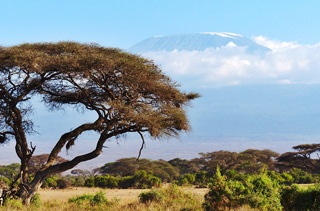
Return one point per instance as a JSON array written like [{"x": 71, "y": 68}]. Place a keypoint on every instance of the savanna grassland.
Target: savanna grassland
[
  {"x": 168, "y": 198},
  {"x": 222, "y": 180}
]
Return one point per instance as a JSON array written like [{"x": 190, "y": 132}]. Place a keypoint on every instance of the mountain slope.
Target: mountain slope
[{"x": 196, "y": 42}]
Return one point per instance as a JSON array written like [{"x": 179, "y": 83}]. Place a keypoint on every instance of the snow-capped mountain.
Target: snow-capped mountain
[{"x": 196, "y": 42}]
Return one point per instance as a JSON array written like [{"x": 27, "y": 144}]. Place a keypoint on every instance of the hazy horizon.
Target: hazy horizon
[{"x": 266, "y": 99}]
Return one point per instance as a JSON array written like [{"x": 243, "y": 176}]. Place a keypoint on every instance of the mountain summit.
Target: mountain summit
[{"x": 196, "y": 42}]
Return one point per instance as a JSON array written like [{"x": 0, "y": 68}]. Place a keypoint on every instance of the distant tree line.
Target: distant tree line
[
  {"x": 260, "y": 179},
  {"x": 292, "y": 167}
]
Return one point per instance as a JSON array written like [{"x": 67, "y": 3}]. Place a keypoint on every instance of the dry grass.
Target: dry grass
[
  {"x": 125, "y": 196},
  {"x": 127, "y": 199}
]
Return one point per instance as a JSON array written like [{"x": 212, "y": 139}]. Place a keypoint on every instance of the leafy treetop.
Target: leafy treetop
[{"x": 128, "y": 93}]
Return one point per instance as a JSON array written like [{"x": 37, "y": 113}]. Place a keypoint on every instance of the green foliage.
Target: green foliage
[
  {"x": 263, "y": 192},
  {"x": 129, "y": 166},
  {"x": 4, "y": 181},
  {"x": 89, "y": 78},
  {"x": 187, "y": 179},
  {"x": 76, "y": 181},
  {"x": 13, "y": 204},
  {"x": 169, "y": 198},
  {"x": 106, "y": 181},
  {"x": 89, "y": 182},
  {"x": 141, "y": 179},
  {"x": 50, "y": 182},
  {"x": 218, "y": 198},
  {"x": 81, "y": 199},
  {"x": 35, "y": 200},
  {"x": 257, "y": 191},
  {"x": 150, "y": 196},
  {"x": 295, "y": 198},
  {"x": 9, "y": 170},
  {"x": 63, "y": 183},
  {"x": 201, "y": 179},
  {"x": 282, "y": 178},
  {"x": 184, "y": 166},
  {"x": 287, "y": 178},
  {"x": 300, "y": 176},
  {"x": 97, "y": 199}
]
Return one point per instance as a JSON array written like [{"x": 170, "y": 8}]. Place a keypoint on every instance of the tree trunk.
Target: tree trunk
[{"x": 26, "y": 192}]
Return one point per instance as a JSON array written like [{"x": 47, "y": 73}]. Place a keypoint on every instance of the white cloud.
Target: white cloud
[
  {"x": 286, "y": 63},
  {"x": 274, "y": 44}
]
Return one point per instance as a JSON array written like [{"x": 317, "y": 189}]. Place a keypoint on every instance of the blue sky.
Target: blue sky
[
  {"x": 289, "y": 27},
  {"x": 122, "y": 23}
]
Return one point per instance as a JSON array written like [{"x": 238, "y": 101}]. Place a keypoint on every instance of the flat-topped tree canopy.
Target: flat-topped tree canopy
[{"x": 128, "y": 93}]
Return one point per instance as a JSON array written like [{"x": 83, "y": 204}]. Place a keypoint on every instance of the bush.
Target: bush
[
  {"x": 89, "y": 182},
  {"x": 4, "y": 182},
  {"x": 257, "y": 191},
  {"x": 98, "y": 199},
  {"x": 218, "y": 198},
  {"x": 106, "y": 181},
  {"x": 76, "y": 181},
  {"x": 300, "y": 176},
  {"x": 150, "y": 196},
  {"x": 50, "y": 182},
  {"x": 141, "y": 179},
  {"x": 13, "y": 204},
  {"x": 81, "y": 199},
  {"x": 263, "y": 192},
  {"x": 187, "y": 179},
  {"x": 168, "y": 198},
  {"x": 35, "y": 200},
  {"x": 63, "y": 183},
  {"x": 295, "y": 198},
  {"x": 201, "y": 179}
]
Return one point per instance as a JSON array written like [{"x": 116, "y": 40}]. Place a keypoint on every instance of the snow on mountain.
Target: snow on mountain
[
  {"x": 196, "y": 42},
  {"x": 254, "y": 95}
]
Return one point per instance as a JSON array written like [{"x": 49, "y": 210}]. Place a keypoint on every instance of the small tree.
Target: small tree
[{"x": 126, "y": 92}]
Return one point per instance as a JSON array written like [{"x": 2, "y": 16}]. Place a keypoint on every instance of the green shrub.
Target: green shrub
[
  {"x": 300, "y": 176},
  {"x": 13, "y": 204},
  {"x": 294, "y": 198},
  {"x": 63, "y": 183},
  {"x": 126, "y": 182},
  {"x": 289, "y": 196},
  {"x": 106, "y": 181},
  {"x": 50, "y": 182},
  {"x": 78, "y": 181},
  {"x": 187, "y": 179},
  {"x": 218, "y": 198},
  {"x": 98, "y": 199},
  {"x": 81, "y": 199},
  {"x": 150, "y": 196},
  {"x": 263, "y": 192},
  {"x": 201, "y": 179},
  {"x": 36, "y": 200},
  {"x": 257, "y": 191},
  {"x": 168, "y": 198},
  {"x": 141, "y": 179},
  {"x": 89, "y": 182},
  {"x": 4, "y": 181},
  {"x": 288, "y": 178}
]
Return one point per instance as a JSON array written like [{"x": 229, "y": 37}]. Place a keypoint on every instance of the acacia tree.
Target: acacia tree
[
  {"x": 128, "y": 93},
  {"x": 303, "y": 158}
]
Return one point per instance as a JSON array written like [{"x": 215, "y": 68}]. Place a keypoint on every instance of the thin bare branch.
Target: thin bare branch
[{"x": 142, "y": 145}]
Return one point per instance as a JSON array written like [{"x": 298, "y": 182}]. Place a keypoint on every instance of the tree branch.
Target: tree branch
[{"x": 142, "y": 145}]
